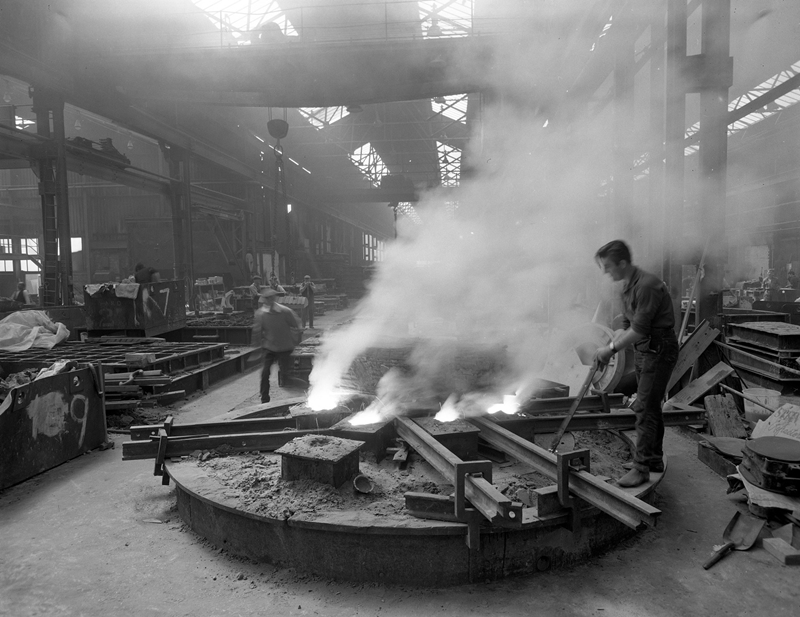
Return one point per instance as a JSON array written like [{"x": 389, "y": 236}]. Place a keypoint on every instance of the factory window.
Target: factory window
[
  {"x": 6, "y": 265},
  {"x": 30, "y": 246},
  {"x": 28, "y": 265},
  {"x": 6, "y": 246},
  {"x": 373, "y": 248}
]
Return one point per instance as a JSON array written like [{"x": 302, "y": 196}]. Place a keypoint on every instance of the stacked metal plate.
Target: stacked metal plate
[{"x": 766, "y": 350}]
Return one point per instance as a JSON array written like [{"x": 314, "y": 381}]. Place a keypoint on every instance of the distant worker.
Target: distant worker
[
  {"x": 772, "y": 288},
  {"x": 274, "y": 330},
  {"x": 791, "y": 279},
  {"x": 307, "y": 289},
  {"x": 650, "y": 329},
  {"x": 255, "y": 290},
  {"x": 22, "y": 296},
  {"x": 144, "y": 275},
  {"x": 275, "y": 284}
]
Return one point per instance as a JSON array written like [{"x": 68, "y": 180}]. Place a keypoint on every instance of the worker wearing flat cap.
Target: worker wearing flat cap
[
  {"x": 649, "y": 322},
  {"x": 255, "y": 290},
  {"x": 276, "y": 329}
]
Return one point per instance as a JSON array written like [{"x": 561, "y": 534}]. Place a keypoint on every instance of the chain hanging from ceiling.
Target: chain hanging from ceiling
[{"x": 278, "y": 129}]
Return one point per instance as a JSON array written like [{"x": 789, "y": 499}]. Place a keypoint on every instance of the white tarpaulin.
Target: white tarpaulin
[{"x": 25, "y": 329}]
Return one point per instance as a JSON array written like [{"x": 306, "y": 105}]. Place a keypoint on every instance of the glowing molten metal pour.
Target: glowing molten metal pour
[
  {"x": 448, "y": 412},
  {"x": 319, "y": 400},
  {"x": 510, "y": 405},
  {"x": 370, "y": 415}
]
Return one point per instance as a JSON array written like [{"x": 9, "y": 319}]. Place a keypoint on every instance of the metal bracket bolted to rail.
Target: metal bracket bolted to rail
[
  {"x": 474, "y": 468},
  {"x": 163, "y": 437},
  {"x": 565, "y": 462}
]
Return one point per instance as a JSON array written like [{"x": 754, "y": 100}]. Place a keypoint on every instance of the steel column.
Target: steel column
[
  {"x": 715, "y": 49},
  {"x": 674, "y": 129}
]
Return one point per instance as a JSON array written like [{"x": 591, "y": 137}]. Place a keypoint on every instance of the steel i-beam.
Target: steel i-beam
[
  {"x": 479, "y": 490},
  {"x": 614, "y": 501}
]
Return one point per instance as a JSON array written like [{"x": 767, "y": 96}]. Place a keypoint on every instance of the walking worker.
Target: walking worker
[
  {"x": 649, "y": 323},
  {"x": 307, "y": 289},
  {"x": 21, "y": 295},
  {"x": 275, "y": 328}
]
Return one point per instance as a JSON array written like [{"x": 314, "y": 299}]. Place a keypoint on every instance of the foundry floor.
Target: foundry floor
[{"x": 101, "y": 537}]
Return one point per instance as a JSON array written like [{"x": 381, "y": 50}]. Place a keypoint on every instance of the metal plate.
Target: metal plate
[{"x": 777, "y": 448}]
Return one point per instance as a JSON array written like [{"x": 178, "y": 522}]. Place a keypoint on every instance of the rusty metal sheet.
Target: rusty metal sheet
[{"x": 48, "y": 422}]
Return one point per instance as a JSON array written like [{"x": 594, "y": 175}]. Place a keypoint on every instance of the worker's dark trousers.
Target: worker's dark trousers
[
  {"x": 281, "y": 357},
  {"x": 308, "y": 314},
  {"x": 655, "y": 358}
]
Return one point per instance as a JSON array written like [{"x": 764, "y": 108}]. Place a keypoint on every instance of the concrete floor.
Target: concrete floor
[{"x": 98, "y": 536}]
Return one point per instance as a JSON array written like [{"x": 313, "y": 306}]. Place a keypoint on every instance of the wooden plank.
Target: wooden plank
[
  {"x": 715, "y": 461},
  {"x": 690, "y": 351},
  {"x": 783, "y": 552},
  {"x": 701, "y": 385},
  {"x": 723, "y": 416}
]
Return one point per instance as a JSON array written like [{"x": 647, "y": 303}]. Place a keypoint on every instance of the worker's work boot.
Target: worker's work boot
[
  {"x": 654, "y": 467},
  {"x": 634, "y": 477}
]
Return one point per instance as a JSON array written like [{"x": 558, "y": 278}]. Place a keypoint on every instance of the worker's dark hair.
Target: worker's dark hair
[
  {"x": 21, "y": 285},
  {"x": 138, "y": 267},
  {"x": 616, "y": 251}
]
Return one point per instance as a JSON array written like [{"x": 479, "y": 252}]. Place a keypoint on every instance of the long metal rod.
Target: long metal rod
[
  {"x": 574, "y": 407},
  {"x": 480, "y": 492},
  {"x": 747, "y": 398},
  {"x": 613, "y": 501}
]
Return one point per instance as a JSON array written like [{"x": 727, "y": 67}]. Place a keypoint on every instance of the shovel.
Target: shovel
[{"x": 740, "y": 534}]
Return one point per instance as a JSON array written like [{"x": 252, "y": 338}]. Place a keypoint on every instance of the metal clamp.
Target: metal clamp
[
  {"x": 565, "y": 464},
  {"x": 163, "y": 438},
  {"x": 482, "y": 468}
]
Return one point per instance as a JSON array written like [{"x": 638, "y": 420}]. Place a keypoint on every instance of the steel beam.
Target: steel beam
[
  {"x": 183, "y": 446},
  {"x": 615, "y": 502},
  {"x": 495, "y": 506},
  {"x": 619, "y": 420}
]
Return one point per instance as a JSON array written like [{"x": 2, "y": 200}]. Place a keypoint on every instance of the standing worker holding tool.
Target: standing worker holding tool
[{"x": 649, "y": 323}]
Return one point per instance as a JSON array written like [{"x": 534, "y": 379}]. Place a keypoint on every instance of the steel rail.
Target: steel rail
[
  {"x": 620, "y": 420},
  {"x": 481, "y": 493},
  {"x": 182, "y": 446},
  {"x": 613, "y": 501}
]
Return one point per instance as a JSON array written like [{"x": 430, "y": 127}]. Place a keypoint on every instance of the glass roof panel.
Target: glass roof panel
[
  {"x": 452, "y": 106},
  {"x": 323, "y": 117},
  {"x": 244, "y": 18},
  {"x": 449, "y": 164},
  {"x": 369, "y": 163},
  {"x": 446, "y": 19}
]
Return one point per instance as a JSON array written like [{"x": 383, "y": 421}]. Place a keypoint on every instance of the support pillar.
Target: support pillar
[
  {"x": 56, "y": 287},
  {"x": 624, "y": 73},
  {"x": 180, "y": 205},
  {"x": 717, "y": 79},
  {"x": 674, "y": 132}
]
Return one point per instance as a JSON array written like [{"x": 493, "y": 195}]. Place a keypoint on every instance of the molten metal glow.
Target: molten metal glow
[
  {"x": 320, "y": 399},
  {"x": 370, "y": 415},
  {"x": 448, "y": 412},
  {"x": 510, "y": 405}
]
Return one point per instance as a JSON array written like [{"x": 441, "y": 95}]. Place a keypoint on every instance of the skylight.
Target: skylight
[
  {"x": 446, "y": 19},
  {"x": 245, "y": 18},
  {"x": 407, "y": 209},
  {"x": 452, "y": 106},
  {"x": 322, "y": 117},
  {"x": 449, "y": 164},
  {"x": 369, "y": 163},
  {"x": 787, "y": 100}
]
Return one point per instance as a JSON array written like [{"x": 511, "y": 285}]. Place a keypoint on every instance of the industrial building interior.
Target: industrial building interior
[{"x": 445, "y": 172}]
